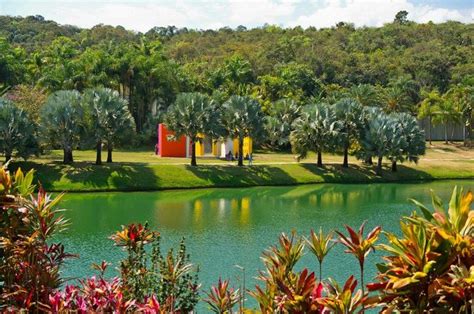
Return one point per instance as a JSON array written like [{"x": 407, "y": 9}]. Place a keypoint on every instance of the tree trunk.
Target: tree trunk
[
  {"x": 429, "y": 130},
  {"x": 241, "y": 151},
  {"x": 369, "y": 161},
  {"x": 193, "y": 154},
  {"x": 67, "y": 156},
  {"x": 446, "y": 133},
  {"x": 345, "y": 164},
  {"x": 109, "y": 153},
  {"x": 394, "y": 166},
  {"x": 320, "y": 160},
  {"x": 98, "y": 158},
  {"x": 379, "y": 166}
]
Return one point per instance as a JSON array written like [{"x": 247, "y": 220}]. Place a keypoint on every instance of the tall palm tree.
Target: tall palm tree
[
  {"x": 348, "y": 113},
  {"x": 194, "y": 115},
  {"x": 108, "y": 119},
  {"x": 428, "y": 107},
  {"x": 447, "y": 112},
  {"x": 62, "y": 118},
  {"x": 17, "y": 131},
  {"x": 242, "y": 116},
  {"x": 315, "y": 130},
  {"x": 462, "y": 96}
]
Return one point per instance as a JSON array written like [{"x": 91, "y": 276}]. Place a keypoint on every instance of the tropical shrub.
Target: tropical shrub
[
  {"x": 221, "y": 298},
  {"x": 143, "y": 274},
  {"x": 30, "y": 261},
  {"x": 284, "y": 289},
  {"x": 431, "y": 266}
]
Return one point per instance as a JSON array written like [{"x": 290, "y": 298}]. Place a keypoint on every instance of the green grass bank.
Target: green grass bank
[{"x": 86, "y": 177}]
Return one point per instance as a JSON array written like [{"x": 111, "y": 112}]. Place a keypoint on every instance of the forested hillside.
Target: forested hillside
[{"x": 398, "y": 67}]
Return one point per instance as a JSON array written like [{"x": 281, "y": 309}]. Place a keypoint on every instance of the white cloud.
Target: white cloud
[
  {"x": 259, "y": 12},
  {"x": 142, "y": 15},
  {"x": 375, "y": 13}
]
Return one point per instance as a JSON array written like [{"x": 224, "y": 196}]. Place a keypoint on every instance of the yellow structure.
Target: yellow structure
[{"x": 220, "y": 148}]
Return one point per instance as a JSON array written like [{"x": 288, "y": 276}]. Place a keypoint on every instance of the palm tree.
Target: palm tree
[
  {"x": 279, "y": 119},
  {"x": 108, "y": 119},
  {"x": 194, "y": 115},
  {"x": 315, "y": 130},
  {"x": 428, "y": 107},
  {"x": 397, "y": 142},
  {"x": 349, "y": 114},
  {"x": 242, "y": 117},
  {"x": 365, "y": 94},
  {"x": 462, "y": 96},
  {"x": 407, "y": 128},
  {"x": 17, "y": 131},
  {"x": 447, "y": 112},
  {"x": 368, "y": 114},
  {"x": 376, "y": 137},
  {"x": 62, "y": 118},
  {"x": 402, "y": 94}
]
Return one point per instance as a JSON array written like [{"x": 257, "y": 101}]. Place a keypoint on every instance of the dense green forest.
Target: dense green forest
[{"x": 402, "y": 66}]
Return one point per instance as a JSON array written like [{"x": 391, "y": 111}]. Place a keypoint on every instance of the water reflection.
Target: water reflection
[{"x": 242, "y": 208}]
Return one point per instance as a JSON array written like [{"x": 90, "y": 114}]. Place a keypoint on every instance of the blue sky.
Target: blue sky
[{"x": 141, "y": 15}]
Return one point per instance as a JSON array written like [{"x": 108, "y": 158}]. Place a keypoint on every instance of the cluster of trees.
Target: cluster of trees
[
  {"x": 67, "y": 120},
  {"x": 394, "y": 67},
  {"x": 368, "y": 131}
]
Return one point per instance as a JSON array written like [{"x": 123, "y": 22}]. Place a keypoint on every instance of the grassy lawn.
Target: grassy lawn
[{"x": 142, "y": 170}]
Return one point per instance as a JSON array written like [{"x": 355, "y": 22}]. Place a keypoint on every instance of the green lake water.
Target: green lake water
[{"x": 228, "y": 227}]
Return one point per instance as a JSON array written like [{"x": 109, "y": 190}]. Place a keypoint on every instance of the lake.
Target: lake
[{"x": 228, "y": 227}]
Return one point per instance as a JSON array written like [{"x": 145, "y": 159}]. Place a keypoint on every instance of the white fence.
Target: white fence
[{"x": 456, "y": 132}]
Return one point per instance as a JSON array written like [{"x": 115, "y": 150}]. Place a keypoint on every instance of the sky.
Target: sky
[{"x": 141, "y": 15}]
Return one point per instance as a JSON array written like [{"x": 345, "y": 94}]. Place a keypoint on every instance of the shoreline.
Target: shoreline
[
  {"x": 177, "y": 189},
  {"x": 130, "y": 177}
]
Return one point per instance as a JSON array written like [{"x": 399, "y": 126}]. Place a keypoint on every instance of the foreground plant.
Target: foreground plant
[
  {"x": 284, "y": 289},
  {"x": 172, "y": 278},
  {"x": 343, "y": 300},
  {"x": 359, "y": 246},
  {"x": 97, "y": 294},
  {"x": 431, "y": 266},
  {"x": 320, "y": 245},
  {"x": 29, "y": 261},
  {"x": 221, "y": 298}
]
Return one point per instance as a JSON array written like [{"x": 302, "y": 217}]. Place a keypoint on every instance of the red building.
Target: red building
[{"x": 168, "y": 146}]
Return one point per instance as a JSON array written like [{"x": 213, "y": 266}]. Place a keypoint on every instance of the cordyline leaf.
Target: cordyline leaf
[
  {"x": 403, "y": 282},
  {"x": 426, "y": 212}
]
